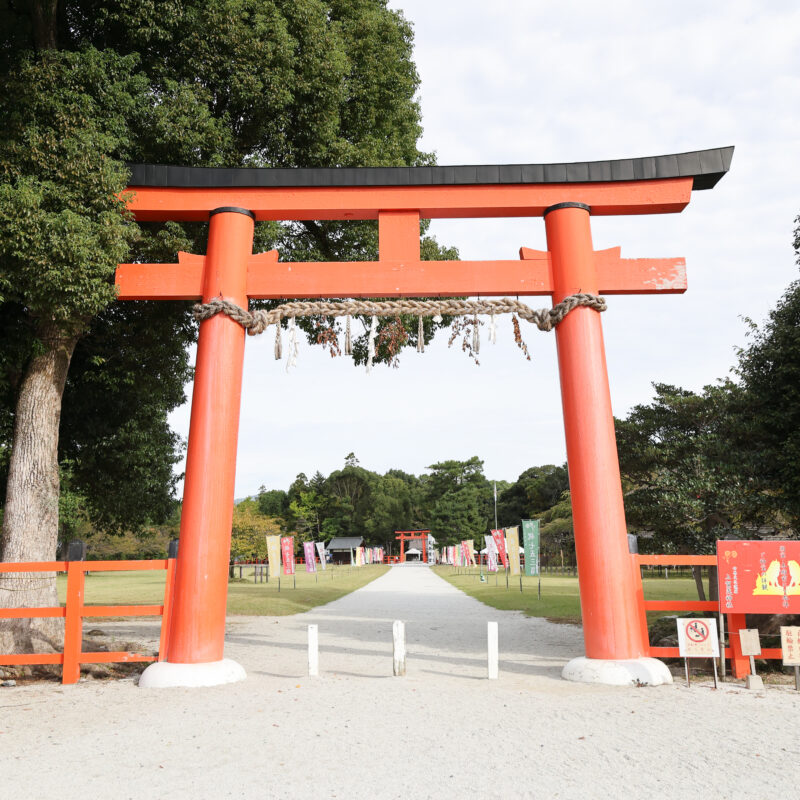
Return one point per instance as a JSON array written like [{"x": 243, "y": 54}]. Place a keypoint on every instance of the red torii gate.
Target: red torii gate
[
  {"x": 566, "y": 195},
  {"x": 408, "y": 536}
]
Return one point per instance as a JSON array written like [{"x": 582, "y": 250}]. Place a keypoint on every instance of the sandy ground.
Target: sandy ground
[{"x": 443, "y": 731}]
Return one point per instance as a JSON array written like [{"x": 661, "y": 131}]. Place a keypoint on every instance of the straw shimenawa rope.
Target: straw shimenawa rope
[{"x": 256, "y": 322}]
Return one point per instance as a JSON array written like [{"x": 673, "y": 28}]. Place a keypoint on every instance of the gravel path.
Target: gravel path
[{"x": 443, "y": 731}]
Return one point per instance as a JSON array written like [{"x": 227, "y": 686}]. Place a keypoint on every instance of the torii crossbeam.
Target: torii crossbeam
[{"x": 566, "y": 195}]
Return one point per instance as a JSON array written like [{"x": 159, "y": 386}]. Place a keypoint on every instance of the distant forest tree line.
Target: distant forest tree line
[{"x": 696, "y": 467}]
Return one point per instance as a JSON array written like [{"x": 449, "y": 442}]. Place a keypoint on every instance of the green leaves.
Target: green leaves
[{"x": 63, "y": 226}]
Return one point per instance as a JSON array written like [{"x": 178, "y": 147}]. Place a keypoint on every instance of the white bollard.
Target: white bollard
[
  {"x": 493, "y": 650},
  {"x": 399, "y": 637},
  {"x": 313, "y": 650}
]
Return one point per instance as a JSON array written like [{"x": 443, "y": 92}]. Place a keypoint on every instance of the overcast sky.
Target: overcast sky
[{"x": 514, "y": 81}]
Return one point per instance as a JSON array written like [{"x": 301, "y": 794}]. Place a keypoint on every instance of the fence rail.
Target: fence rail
[
  {"x": 740, "y": 664},
  {"x": 75, "y": 611}
]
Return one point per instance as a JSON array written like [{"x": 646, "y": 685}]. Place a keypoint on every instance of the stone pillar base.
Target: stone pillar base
[
  {"x": 167, "y": 675},
  {"x": 624, "y": 672}
]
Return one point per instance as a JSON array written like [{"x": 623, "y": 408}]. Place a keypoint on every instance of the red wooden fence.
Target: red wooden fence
[
  {"x": 740, "y": 665},
  {"x": 74, "y": 612}
]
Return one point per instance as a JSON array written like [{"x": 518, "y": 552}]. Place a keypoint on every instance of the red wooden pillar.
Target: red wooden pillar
[
  {"x": 425, "y": 548},
  {"x": 402, "y": 538},
  {"x": 740, "y": 664},
  {"x": 611, "y": 623},
  {"x": 73, "y": 623},
  {"x": 197, "y": 629}
]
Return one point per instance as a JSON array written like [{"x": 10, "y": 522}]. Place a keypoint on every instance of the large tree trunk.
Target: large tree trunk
[
  {"x": 30, "y": 523},
  {"x": 697, "y": 574}
]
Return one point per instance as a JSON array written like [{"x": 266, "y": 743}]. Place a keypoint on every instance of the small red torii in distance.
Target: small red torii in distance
[
  {"x": 408, "y": 536},
  {"x": 566, "y": 195}
]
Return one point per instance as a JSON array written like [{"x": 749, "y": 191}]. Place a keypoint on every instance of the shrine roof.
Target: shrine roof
[
  {"x": 705, "y": 166},
  {"x": 344, "y": 543}
]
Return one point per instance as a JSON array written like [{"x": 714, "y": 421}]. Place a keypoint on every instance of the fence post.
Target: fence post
[
  {"x": 73, "y": 626},
  {"x": 313, "y": 650},
  {"x": 399, "y": 639},
  {"x": 492, "y": 650},
  {"x": 169, "y": 586},
  {"x": 740, "y": 664}
]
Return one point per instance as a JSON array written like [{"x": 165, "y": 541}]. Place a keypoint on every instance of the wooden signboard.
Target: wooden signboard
[
  {"x": 790, "y": 644},
  {"x": 759, "y": 577},
  {"x": 751, "y": 644}
]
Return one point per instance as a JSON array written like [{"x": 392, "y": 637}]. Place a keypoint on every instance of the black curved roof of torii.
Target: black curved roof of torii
[{"x": 705, "y": 166}]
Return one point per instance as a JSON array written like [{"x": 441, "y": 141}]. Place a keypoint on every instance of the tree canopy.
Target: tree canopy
[{"x": 90, "y": 85}]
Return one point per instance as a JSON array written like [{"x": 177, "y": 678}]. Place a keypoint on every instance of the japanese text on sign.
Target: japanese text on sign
[{"x": 790, "y": 644}]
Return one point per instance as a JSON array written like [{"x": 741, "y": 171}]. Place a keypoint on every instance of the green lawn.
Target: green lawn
[
  {"x": 244, "y": 597},
  {"x": 559, "y": 593}
]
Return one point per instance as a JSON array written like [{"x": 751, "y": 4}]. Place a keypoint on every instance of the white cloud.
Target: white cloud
[{"x": 511, "y": 82}]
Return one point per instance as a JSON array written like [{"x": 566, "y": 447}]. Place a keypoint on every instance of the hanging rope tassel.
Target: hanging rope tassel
[
  {"x": 476, "y": 335},
  {"x": 373, "y": 334},
  {"x": 278, "y": 342},
  {"x": 492, "y": 330},
  {"x": 348, "y": 341},
  {"x": 420, "y": 336},
  {"x": 294, "y": 347}
]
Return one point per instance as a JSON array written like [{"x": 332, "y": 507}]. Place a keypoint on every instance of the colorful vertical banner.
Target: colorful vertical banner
[
  {"x": 287, "y": 554},
  {"x": 512, "y": 546},
  {"x": 530, "y": 542},
  {"x": 308, "y": 553},
  {"x": 321, "y": 553},
  {"x": 464, "y": 553},
  {"x": 452, "y": 549},
  {"x": 471, "y": 553},
  {"x": 359, "y": 556},
  {"x": 500, "y": 544},
  {"x": 274, "y": 554},
  {"x": 491, "y": 553}
]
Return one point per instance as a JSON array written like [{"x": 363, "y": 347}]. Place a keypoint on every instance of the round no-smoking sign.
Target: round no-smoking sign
[
  {"x": 697, "y": 631},
  {"x": 698, "y": 638}
]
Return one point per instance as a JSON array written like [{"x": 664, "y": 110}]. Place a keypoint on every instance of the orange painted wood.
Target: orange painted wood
[
  {"x": 398, "y": 235},
  {"x": 22, "y": 613},
  {"x": 73, "y": 625},
  {"x": 32, "y": 658},
  {"x": 681, "y": 605},
  {"x": 119, "y": 656},
  {"x": 767, "y": 653},
  {"x": 122, "y": 566},
  {"x": 122, "y": 611},
  {"x": 181, "y": 281},
  {"x": 365, "y": 202},
  {"x": 612, "y": 620},
  {"x": 166, "y": 617},
  {"x": 740, "y": 664},
  {"x": 197, "y": 629},
  {"x": 676, "y": 561},
  {"x": 274, "y": 280},
  {"x": 34, "y": 566},
  {"x": 617, "y": 275}
]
